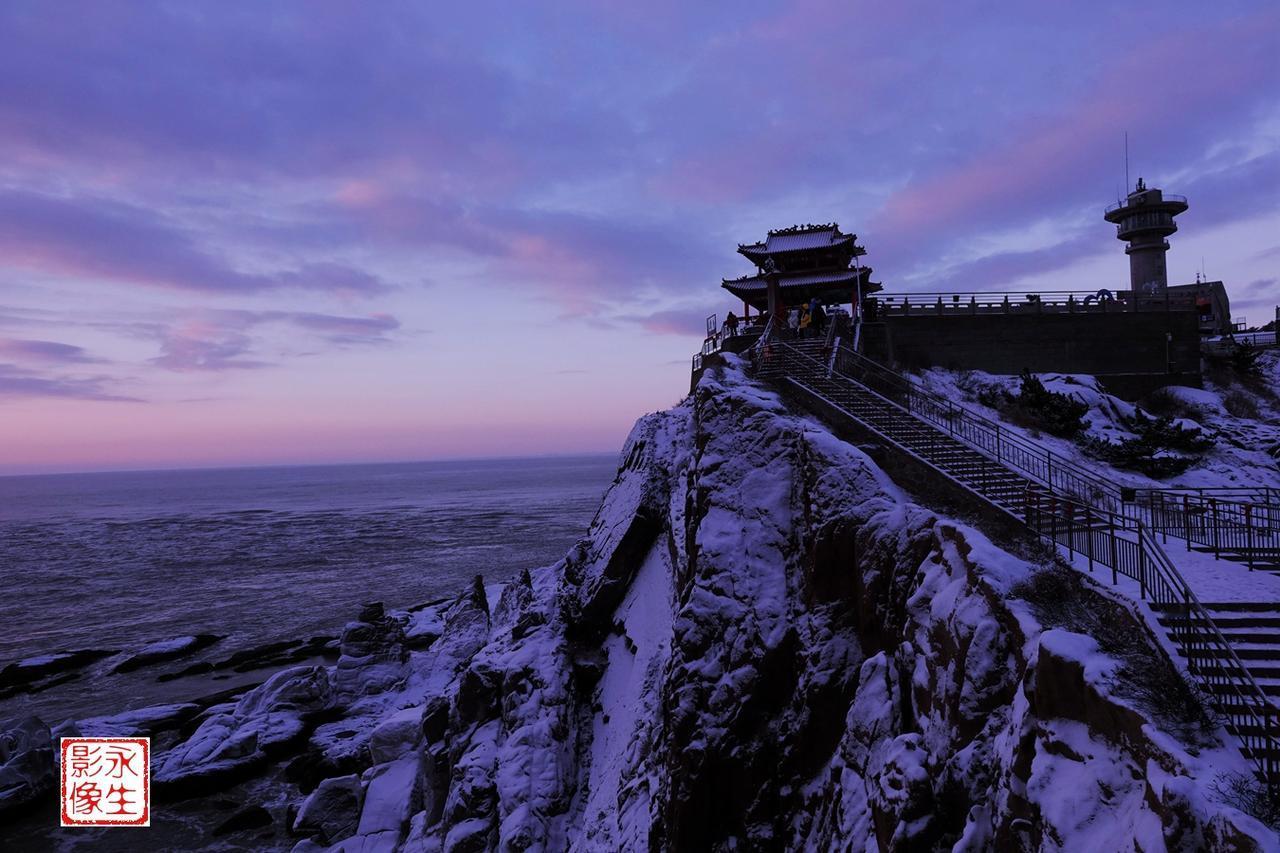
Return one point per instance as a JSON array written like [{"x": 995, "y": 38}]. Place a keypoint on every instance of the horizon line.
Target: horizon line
[{"x": 333, "y": 464}]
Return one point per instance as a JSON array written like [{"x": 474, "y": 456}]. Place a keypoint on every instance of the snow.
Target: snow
[
  {"x": 628, "y": 697},
  {"x": 1243, "y": 455}
]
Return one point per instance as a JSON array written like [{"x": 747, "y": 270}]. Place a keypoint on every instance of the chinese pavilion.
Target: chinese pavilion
[{"x": 801, "y": 263}]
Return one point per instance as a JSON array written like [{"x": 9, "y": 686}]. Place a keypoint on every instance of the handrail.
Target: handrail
[
  {"x": 1210, "y": 658},
  {"x": 1230, "y": 527},
  {"x": 988, "y": 437}
]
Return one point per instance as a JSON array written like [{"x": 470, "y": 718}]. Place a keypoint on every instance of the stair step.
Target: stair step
[
  {"x": 1231, "y": 606},
  {"x": 1235, "y": 638},
  {"x": 1228, "y": 622},
  {"x": 1256, "y": 669}
]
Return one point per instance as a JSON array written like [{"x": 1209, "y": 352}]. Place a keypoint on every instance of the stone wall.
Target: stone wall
[{"x": 1098, "y": 344}]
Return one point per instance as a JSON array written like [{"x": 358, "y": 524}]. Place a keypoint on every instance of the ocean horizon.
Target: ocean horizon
[{"x": 118, "y": 560}]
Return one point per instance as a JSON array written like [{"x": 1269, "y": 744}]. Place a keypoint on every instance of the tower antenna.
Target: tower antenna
[{"x": 1126, "y": 161}]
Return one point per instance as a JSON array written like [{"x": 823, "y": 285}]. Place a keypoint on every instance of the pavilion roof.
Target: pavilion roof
[{"x": 800, "y": 238}]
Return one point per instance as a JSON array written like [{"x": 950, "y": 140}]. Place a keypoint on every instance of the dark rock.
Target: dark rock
[
  {"x": 332, "y": 812},
  {"x": 247, "y": 818},
  {"x": 26, "y": 672},
  {"x": 26, "y": 764},
  {"x": 167, "y": 650}
]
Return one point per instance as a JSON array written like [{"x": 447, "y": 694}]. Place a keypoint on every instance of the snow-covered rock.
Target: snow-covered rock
[
  {"x": 762, "y": 643},
  {"x": 139, "y": 722},
  {"x": 373, "y": 654},
  {"x": 332, "y": 812},
  {"x": 265, "y": 722}
]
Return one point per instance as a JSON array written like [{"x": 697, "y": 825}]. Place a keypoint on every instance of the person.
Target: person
[
  {"x": 793, "y": 322},
  {"x": 805, "y": 320},
  {"x": 819, "y": 317},
  {"x": 731, "y": 324}
]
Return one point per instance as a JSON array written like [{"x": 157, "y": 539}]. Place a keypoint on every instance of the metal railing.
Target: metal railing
[
  {"x": 1164, "y": 196},
  {"x": 1112, "y": 539},
  {"x": 1041, "y": 302},
  {"x": 1234, "y": 522},
  {"x": 1241, "y": 524},
  {"x": 1039, "y": 463}
]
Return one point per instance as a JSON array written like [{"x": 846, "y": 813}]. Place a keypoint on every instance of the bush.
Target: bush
[
  {"x": 1244, "y": 359},
  {"x": 1240, "y": 404},
  {"x": 1152, "y": 450},
  {"x": 1241, "y": 360},
  {"x": 1061, "y": 598},
  {"x": 1162, "y": 401},
  {"x": 1249, "y": 796},
  {"x": 1036, "y": 406}
]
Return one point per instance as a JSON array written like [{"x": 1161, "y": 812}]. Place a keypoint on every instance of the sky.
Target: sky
[{"x": 285, "y": 233}]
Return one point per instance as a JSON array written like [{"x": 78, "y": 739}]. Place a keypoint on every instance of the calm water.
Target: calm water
[{"x": 118, "y": 560}]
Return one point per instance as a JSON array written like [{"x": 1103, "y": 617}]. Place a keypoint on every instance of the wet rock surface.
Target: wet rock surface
[
  {"x": 166, "y": 650},
  {"x": 45, "y": 671}
]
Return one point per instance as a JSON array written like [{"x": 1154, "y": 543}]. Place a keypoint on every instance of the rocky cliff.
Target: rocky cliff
[{"x": 761, "y": 644}]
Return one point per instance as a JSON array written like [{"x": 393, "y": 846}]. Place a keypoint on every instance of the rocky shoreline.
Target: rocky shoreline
[{"x": 762, "y": 643}]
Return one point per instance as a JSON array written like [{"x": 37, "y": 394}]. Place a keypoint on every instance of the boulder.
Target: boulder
[
  {"x": 392, "y": 795},
  {"x": 26, "y": 764},
  {"x": 396, "y": 735},
  {"x": 267, "y": 721},
  {"x": 250, "y": 817},
  {"x": 374, "y": 654},
  {"x": 332, "y": 812}
]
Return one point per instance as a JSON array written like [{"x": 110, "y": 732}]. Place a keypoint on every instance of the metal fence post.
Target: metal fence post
[{"x": 1115, "y": 560}]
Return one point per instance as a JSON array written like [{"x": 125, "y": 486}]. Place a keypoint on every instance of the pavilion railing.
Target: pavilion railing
[{"x": 1109, "y": 538}]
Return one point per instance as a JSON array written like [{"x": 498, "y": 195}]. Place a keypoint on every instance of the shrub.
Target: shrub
[
  {"x": 1240, "y": 404},
  {"x": 1062, "y": 598},
  {"x": 1036, "y": 406},
  {"x": 1150, "y": 451},
  {"x": 1244, "y": 359},
  {"x": 1249, "y": 796},
  {"x": 1162, "y": 401}
]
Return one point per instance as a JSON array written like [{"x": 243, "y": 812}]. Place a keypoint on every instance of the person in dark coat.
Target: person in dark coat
[{"x": 818, "y": 317}]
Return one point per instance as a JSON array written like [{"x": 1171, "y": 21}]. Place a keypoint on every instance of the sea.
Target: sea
[{"x": 119, "y": 560}]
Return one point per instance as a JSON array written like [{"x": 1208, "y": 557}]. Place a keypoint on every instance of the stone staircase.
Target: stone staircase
[
  {"x": 1253, "y": 631},
  {"x": 996, "y": 483},
  {"x": 1232, "y": 650}
]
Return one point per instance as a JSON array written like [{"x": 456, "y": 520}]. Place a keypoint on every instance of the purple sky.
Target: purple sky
[{"x": 331, "y": 232}]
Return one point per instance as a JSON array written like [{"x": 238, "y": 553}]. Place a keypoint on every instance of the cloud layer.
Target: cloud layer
[{"x": 220, "y": 193}]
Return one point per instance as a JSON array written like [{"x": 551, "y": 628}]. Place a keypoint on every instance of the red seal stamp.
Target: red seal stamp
[{"x": 106, "y": 781}]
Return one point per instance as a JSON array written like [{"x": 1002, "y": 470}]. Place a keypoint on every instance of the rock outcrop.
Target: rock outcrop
[
  {"x": 26, "y": 765},
  {"x": 234, "y": 740},
  {"x": 762, "y": 643}
]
